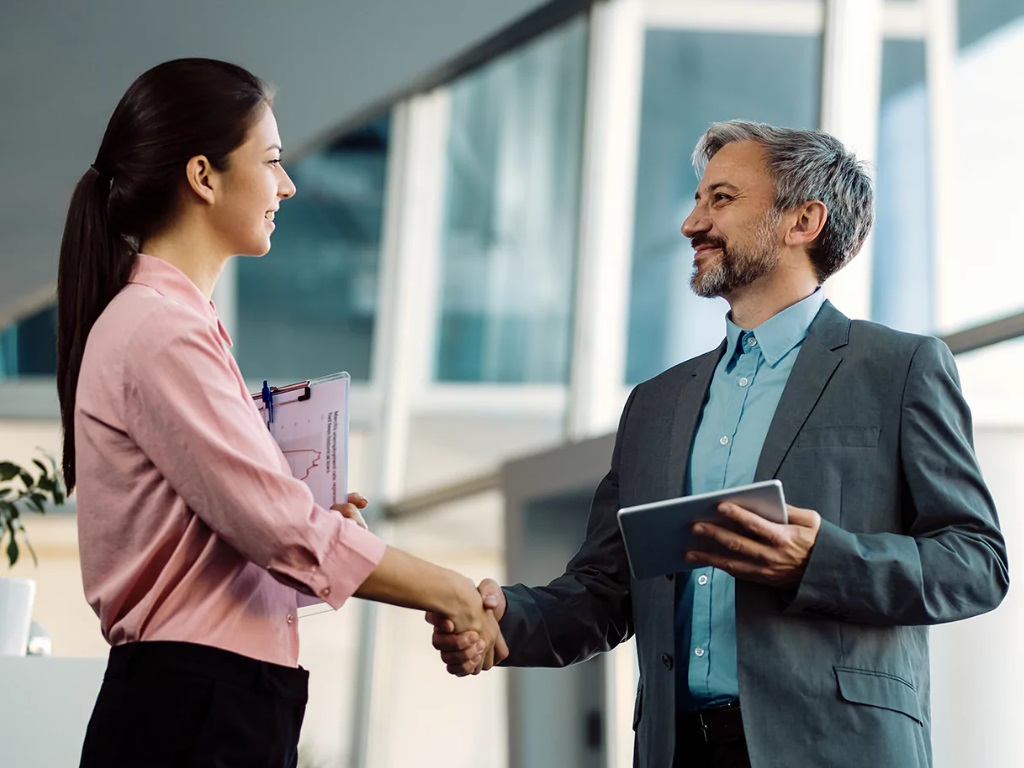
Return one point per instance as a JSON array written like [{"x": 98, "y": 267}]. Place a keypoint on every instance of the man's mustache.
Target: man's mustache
[{"x": 705, "y": 239}]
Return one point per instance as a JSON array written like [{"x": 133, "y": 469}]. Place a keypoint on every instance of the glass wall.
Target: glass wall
[
  {"x": 985, "y": 155},
  {"x": 508, "y": 240},
  {"x": 692, "y": 79},
  {"x": 308, "y": 307},
  {"x": 29, "y": 346},
  {"x": 903, "y": 281}
]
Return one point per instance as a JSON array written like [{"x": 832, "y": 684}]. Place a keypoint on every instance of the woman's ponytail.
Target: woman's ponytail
[{"x": 95, "y": 263}]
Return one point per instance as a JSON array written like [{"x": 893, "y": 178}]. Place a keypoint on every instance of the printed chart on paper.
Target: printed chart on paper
[{"x": 313, "y": 435}]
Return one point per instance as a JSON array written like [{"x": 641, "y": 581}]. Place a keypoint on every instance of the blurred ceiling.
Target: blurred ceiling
[{"x": 64, "y": 64}]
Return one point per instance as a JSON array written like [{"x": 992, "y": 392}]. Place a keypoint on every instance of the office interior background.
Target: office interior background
[{"x": 485, "y": 236}]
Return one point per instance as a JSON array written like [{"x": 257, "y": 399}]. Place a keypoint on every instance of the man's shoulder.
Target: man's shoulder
[
  {"x": 682, "y": 372},
  {"x": 877, "y": 338}
]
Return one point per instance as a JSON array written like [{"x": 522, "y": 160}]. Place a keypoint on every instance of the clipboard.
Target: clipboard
[{"x": 309, "y": 421}]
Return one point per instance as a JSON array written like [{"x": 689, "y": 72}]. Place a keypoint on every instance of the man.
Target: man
[{"x": 806, "y": 645}]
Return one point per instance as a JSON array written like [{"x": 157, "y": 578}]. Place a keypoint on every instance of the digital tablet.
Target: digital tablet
[{"x": 657, "y": 535}]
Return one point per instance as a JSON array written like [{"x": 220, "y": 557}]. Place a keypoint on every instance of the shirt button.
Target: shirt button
[
  {"x": 290, "y": 619},
  {"x": 325, "y": 592},
  {"x": 666, "y": 659},
  {"x": 752, "y": 341},
  {"x": 724, "y": 440},
  {"x": 702, "y": 579},
  {"x": 698, "y": 652},
  {"x": 744, "y": 381}
]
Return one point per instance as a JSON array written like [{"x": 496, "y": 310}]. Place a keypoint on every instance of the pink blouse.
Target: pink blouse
[{"x": 190, "y": 524}]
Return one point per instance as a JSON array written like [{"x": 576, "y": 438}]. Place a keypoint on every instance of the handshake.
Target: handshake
[{"x": 471, "y": 651}]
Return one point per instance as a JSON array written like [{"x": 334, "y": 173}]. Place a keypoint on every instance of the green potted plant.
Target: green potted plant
[{"x": 22, "y": 490}]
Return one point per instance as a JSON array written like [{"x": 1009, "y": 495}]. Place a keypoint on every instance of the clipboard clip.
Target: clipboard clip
[
  {"x": 268, "y": 402},
  {"x": 268, "y": 393}
]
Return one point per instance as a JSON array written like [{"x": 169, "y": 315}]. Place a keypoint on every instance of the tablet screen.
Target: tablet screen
[{"x": 657, "y": 535}]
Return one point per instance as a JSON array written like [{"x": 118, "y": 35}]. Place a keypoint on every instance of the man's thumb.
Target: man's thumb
[{"x": 494, "y": 598}]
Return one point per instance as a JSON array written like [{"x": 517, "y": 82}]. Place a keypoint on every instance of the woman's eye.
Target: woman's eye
[{"x": 276, "y": 161}]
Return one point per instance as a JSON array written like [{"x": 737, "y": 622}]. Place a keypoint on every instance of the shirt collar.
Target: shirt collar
[
  {"x": 777, "y": 335},
  {"x": 167, "y": 280}
]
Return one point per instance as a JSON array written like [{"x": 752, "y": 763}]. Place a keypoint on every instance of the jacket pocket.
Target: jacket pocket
[
  {"x": 878, "y": 689},
  {"x": 638, "y": 706},
  {"x": 838, "y": 437}
]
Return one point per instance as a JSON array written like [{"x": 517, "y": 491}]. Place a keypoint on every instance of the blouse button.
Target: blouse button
[{"x": 290, "y": 619}]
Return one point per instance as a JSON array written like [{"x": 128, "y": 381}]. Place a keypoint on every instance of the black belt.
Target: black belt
[{"x": 710, "y": 726}]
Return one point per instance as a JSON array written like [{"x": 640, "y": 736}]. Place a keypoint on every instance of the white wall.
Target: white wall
[{"x": 977, "y": 667}]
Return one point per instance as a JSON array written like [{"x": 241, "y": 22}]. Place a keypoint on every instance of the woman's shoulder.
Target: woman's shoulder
[{"x": 140, "y": 320}]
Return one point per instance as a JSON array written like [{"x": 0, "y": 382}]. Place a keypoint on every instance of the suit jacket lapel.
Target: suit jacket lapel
[
  {"x": 688, "y": 407},
  {"x": 814, "y": 366}
]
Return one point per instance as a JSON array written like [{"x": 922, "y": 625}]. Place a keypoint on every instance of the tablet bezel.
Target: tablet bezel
[{"x": 657, "y": 535}]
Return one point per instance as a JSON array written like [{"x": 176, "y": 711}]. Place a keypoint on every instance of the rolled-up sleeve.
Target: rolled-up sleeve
[{"x": 186, "y": 408}]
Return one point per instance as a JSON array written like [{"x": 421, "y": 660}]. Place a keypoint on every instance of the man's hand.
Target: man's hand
[
  {"x": 464, "y": 654},
  {"x": 350, "y": 510},
  {"x": 766, "y": 552}
]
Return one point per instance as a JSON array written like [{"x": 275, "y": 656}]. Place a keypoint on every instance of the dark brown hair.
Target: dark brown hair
[{"x": 171, "y": 113}]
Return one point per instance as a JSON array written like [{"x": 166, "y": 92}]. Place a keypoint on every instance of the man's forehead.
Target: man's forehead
[{"x": 739, "y": 164}]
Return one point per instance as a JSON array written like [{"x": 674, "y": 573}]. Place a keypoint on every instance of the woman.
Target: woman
[{"x": 195, "y": 539}]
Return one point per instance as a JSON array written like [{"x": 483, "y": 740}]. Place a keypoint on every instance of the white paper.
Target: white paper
[{"x": 313, "y": 435}]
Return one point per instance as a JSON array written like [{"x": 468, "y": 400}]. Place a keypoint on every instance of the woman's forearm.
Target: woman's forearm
[{"x": 409, "y": 582}]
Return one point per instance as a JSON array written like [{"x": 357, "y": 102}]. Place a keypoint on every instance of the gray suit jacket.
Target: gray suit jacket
[{"x": 873, "y": 433}]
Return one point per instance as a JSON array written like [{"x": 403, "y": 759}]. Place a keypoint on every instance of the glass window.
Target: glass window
[
  {"x": 978, "y": 18},
  {"x": 903, "y": 285},
  {"x": 981, "y": 273},
  {"x": 692, "y": 79},
  {"x": 29, "y": 346},
  {"x": 308, "y": 307},
  {"x": 508, "y": 239}
]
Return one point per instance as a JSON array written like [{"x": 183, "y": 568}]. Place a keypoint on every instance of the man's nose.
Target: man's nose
[{"x": 695, "y": 223}]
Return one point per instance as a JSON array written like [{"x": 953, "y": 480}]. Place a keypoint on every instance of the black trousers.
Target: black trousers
[
  {"x": 730, "y": 754},
  {"x": 182, "y": 705},
  {"x": 712, "y": 739}
]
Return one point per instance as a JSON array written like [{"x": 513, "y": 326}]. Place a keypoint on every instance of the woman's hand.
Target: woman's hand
[
  {"x": 351, "y": 509},
  {"x": 488, "y": 647}
]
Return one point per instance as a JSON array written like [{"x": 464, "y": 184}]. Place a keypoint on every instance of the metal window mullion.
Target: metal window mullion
[
  {"x": 608, "y": 182},
  {"x": 225, "y": 296},
  {"x": 851, "y": 91},
  {"x": 904, "y": 21},
  {"x": 804, "y": 17},
  {"x": 940, "y": 61},
  {"x": 402, "y": 340}
]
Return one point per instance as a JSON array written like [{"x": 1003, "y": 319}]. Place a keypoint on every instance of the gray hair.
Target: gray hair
[{"x": 807, "y": 165}]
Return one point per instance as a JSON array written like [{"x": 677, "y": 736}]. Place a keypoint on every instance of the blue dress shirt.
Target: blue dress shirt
[{"x": 744, "y": 393}]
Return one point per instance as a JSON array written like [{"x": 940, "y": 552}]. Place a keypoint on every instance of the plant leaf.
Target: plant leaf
[
  {"x": 8, "y": 471},
  {"x": 37, "y": 500},
  {"x": 46, "y": 484},
  {"x": 42, "y": 467},
  {"x": 12, "y": 546},
  {"x": 4, "y": 493},
  {"x": 28, "y": 544},
  {"x": 28, "y": 480}
]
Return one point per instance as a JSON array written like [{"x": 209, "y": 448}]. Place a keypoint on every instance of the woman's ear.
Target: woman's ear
[
  {"x": 201, "y": 178},
  {"x": 810, "y": 220}
]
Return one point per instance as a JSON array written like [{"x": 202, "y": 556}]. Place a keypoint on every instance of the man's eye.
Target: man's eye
[{"x": 721, "y": 197}]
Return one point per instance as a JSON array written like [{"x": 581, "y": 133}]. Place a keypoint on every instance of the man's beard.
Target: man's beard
[{"x": 736, "y": 267}]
